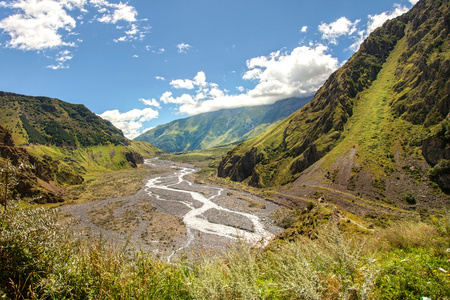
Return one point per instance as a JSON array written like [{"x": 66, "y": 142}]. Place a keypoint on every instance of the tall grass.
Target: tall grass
[{"x": 41, "y": 259}]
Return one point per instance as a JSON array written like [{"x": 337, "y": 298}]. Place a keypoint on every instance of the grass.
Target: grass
[
  {"x": 40, "y": 259},
  {"x": 372, "y": 129},
  {"x": 113, "y": 184}
]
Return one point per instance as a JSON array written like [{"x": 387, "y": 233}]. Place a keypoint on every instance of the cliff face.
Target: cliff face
[
  {"x": 408, "y": 59},
  {"x": 40, "y": 181},
  {"x": 308, "y": 134}
]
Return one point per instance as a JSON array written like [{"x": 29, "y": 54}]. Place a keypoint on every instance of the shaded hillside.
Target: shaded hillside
[
  {"x": 62, "y": 141},
  {"x": 369, "y": 122},
  {"x": 49, "y": 121},
  {"x": 220, "y": 128},
  {"x": 33, "y": 182}
]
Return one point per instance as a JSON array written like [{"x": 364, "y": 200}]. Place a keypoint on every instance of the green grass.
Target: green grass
[{"x": 40, "y": 259}]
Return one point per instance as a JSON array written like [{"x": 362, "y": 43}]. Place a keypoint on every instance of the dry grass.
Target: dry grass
[{"x": 113, "y": 184}]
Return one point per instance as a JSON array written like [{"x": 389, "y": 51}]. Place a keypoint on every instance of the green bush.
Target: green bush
[{"x": 410, "y": 198}]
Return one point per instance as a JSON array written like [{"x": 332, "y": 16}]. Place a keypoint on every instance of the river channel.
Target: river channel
[{"x": 172, "y": 216}]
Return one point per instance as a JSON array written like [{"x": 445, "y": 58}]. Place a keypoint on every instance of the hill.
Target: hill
[
  {"x": 62, "y": 141},
  {"x": 376, "y": 130},
  {"x": 220, "y": 128}
]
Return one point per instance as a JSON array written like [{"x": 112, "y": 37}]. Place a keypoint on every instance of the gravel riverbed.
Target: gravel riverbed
[{"x": 171, "y": 216}]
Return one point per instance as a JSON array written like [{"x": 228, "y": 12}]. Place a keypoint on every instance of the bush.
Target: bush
[
  {"x": 40, "y": 259},
  {"x": 410, "y": 198}
]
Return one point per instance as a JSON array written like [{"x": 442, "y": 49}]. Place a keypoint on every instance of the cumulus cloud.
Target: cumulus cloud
[
  {"x": 277, "y": 76},
  {"x": 304, "y": 29},
  {"x": 376, "y": 21},
  {"x": 184, "y": 99},
  {"x": 150, "y": 102},
  {"x": 182, "y": 84},
  {"x": 183, "y": 48},
  {"x": 130, "y": 122},
  {"x": 38, "y": 24},
  {"x": 160, "y": 78},
  {"x": 199, "y": 81},
  {"x": 112, "y": 13},
  {"x": 340, "y": 27},
  {"x": 413, "y": 2}
]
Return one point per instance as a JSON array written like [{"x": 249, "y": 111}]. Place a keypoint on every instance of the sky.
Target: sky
[{"x": 142, "y": 63}]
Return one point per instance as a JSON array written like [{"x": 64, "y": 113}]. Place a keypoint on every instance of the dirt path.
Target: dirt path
[{"x": 171, "y": 216}]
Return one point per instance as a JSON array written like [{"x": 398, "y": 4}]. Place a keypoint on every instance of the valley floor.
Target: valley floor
[{"x": 171, "y": 216}]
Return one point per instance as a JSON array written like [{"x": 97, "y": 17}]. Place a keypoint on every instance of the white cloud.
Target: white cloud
[
  {"x": 160, "y": 78},
  {"x": 278, "y": 76},
  {"x": 340, "y": 27},
  {"x": 134, "y": 33},
  {"x": 184, "y": 99},
  {"x": 38, "y": 24},
  {"x": 304, "y": 29},
  {"x": 376, "y": 21},
  {"x": 182, "y": 84},
  {"x": 413, "y": 2},
  {"x": 130, "y": 122},
  {"x": 150, "y": 102},
  {"x": 199, "y": 81},
  {"x": 61, "y": 59},
  {"x": 112, "y": 13},
  {"x": 183, "y": 48}
]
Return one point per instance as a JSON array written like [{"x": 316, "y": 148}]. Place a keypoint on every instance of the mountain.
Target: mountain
[
  {"x": 62, "y": 141},
  {"x": 378, "y": 128},
  {"x": 220, "y": 128},
  {"x": 50, "y": 121}
]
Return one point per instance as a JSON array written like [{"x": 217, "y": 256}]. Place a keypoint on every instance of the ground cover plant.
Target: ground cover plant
[{"x": 41, "y": 259}]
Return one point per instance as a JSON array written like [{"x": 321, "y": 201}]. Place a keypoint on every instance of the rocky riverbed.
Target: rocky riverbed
[{"x": 171, "y": 216}]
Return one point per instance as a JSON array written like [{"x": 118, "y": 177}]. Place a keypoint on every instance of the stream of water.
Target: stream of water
[{"x": 194, "y": 219}]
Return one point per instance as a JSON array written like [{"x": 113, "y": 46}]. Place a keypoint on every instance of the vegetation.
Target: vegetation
[
  {"x": 49, "y": 121},
  {"x": 220, "y": 128},
  {"x": 113, "y": 184},
  {"x": 383, "y": 103},
  {"x": 41, "y": 259}
]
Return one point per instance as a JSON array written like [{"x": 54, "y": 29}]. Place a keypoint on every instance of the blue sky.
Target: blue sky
[{"x": 143, "y": 63}]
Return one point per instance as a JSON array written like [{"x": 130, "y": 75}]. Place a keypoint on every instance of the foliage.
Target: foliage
[
  {"x": 41, "y": 259},
  {"x": 8, "y": 180},
  {"x": 393, "y": 89},
  {"x": 410, "y": 198},
  {"x": 49, "y": 121}
]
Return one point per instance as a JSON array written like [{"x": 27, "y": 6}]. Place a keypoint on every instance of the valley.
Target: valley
[{"x": 171, "y": 216}]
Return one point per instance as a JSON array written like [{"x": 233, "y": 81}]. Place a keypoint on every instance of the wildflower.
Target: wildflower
[{"x": 442, "y": 270}]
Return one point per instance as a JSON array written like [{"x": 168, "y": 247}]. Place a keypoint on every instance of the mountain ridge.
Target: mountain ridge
[
  {"x": 63, "y": 141},
  {"x": 220, "y": 128},
  {"x": 408, "y": 60}
]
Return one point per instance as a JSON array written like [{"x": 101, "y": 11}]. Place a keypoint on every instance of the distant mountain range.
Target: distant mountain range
[
  {"x": 62, "y": 141},
  {"x": 377, "y": 129},
  {"x": 220, "y": 128}
]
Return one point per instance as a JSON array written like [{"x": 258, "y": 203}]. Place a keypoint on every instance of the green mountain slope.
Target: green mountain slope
[
  {"x": 62, "y": 141},
  {"x": 50, "y": 121},
  {"x": 220, "y": 128},
  {"x": 375, "y": 127}
]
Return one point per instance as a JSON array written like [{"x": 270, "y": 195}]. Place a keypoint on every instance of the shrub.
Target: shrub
[{"x": 410, "y": 198}]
